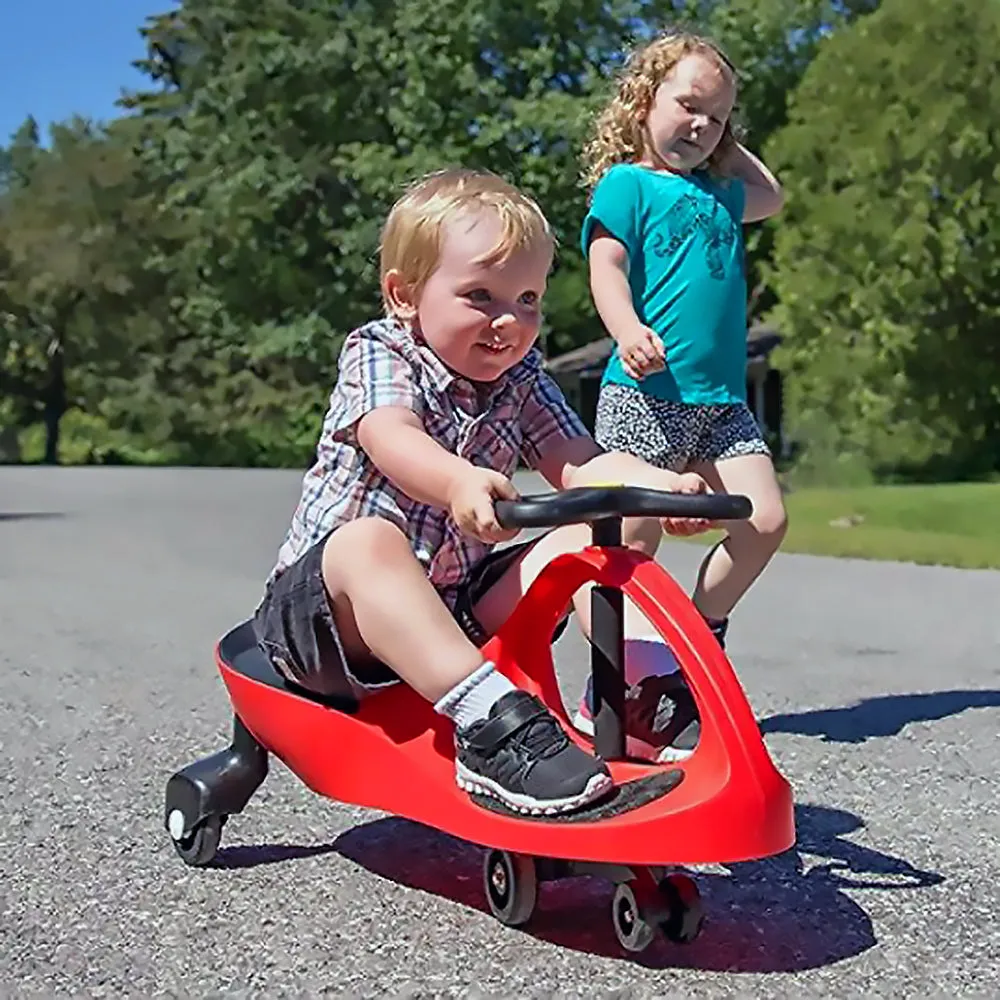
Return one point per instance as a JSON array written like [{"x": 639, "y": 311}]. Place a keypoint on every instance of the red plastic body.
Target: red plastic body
[{"x": 397, "y": 754}]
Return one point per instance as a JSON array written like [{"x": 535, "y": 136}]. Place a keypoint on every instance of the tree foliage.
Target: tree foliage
[
  {"x": 71, "y": 274},
  {"x": 294, "y": 127},
  {"x": 183, "y": 276},
  {"x": 887, "y": 261},
  {"x": 291, "y": 128}
]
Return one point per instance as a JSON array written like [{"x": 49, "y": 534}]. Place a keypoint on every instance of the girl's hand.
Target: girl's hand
[
  {"x": 641, "y": 352},
  {"x": 688, "y": 482}
]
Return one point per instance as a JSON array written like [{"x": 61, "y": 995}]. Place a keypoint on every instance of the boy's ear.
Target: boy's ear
[{"x": 398, "y": 295}]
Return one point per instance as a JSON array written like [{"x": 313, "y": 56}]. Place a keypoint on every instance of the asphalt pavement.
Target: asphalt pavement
[{"x": 877, "y": 685}]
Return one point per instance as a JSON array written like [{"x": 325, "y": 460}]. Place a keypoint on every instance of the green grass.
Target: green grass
[{"x": 955, "y": 524}]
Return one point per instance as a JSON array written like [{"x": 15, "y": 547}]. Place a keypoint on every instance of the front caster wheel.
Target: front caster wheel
[
  {"x": 199, "y": 846},
  {"x": 511, "y": 883},
  {"x": 685, "y": 914},
  {"x": 634, "y": 924}
]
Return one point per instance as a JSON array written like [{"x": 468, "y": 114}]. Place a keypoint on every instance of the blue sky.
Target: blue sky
[{"x": 60, "y": 57}]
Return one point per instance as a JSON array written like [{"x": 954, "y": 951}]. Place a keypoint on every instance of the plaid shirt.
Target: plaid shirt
[{"x": 381, "y": 364}]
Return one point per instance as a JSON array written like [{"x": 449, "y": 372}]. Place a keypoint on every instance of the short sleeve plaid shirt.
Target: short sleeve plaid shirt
[{"x": 381, "y": 364}]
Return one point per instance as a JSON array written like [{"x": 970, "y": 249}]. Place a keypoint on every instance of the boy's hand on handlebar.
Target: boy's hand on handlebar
[
  {"x": 689, "y": 482},
  {"x": 471, "y": 504}
]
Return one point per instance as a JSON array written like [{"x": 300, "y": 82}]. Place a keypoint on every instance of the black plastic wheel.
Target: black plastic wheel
[
  {"x": 685, "y": 914},
  {"x": 200, "y": 846},
  {"x": 511, "y": 883},
  {"x": 630, "y": 919}
]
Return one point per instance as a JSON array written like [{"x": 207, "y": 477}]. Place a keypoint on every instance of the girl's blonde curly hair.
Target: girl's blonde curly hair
[{"x": 619, "y": 134}]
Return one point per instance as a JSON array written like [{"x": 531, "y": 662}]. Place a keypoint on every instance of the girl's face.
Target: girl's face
[{"x": 688, "y": 115}]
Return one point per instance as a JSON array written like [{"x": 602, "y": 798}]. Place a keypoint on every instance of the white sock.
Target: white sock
[
  {"x": 472, "y": 698},
  {"x": 643, "y": 658},
  {"x": 648, "y": 658}
]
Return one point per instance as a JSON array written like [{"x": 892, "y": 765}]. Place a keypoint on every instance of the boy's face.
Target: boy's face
[
  {"x": 688, "y": 115},
  {"x": 480, "y": 319}
]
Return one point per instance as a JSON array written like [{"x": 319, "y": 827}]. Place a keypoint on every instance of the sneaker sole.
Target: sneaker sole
[
  {"x": 474, "y": 784},
  {"x": 634, "y": 747}
]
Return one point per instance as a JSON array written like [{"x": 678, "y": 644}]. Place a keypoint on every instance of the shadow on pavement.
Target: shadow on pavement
[
  {"x": 778, "y": 915},
  {"x": 30, "y": 515},
  {"x": 875, "y": 717},
  {"x": 254, "y": 855}
]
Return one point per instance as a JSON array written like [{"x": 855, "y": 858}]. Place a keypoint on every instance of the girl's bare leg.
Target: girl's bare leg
[{"x": 733, "y": 564}]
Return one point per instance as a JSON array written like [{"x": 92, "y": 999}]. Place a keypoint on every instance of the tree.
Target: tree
[
  {"x": 887, "y": 258},
  {"x": 70, "y": 273},
  {"x": 286, "y": 130},
  {"x": 253, "y": 174},
  {"x": 283, "y": 147}
]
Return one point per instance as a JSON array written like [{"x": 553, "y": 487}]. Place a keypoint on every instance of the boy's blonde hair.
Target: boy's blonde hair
[
  {"x": 619, "y": 134},
  {"x": 412, "y": 234}
]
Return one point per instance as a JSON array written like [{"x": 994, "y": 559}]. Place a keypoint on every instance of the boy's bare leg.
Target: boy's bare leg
[
  {"x": 507, "y": 744},
  {"x": 386, "y": 608},
  {"x": 735, "y": 563}
]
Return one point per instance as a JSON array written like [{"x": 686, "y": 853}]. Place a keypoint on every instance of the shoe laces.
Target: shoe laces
[{"x": 542, "y": 737}]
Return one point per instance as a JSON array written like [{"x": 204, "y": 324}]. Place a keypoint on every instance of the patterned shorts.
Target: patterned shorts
[{"x": 673, "y": 435}]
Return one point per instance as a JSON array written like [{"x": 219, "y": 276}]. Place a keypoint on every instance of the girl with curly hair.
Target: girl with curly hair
[{"x": 672, "y": 186}]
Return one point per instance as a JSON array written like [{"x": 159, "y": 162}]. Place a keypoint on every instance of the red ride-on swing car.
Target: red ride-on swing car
[{"x": 726, "y": 803}]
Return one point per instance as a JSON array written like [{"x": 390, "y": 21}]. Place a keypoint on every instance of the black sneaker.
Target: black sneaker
[
  {"x": 522, "y": 756},
  {"x": 661, "y": 719}
]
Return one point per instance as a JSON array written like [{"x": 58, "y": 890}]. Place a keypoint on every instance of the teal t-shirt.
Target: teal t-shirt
[{"x": 684, "y": 237}]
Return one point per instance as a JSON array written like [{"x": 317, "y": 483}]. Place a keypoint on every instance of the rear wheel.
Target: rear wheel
[
  {"x": 511, "y": 883},
  {"x": 685, "y": 914},
  {"x": 200, "y": 846},
  {"x": 634, "y": 923}
]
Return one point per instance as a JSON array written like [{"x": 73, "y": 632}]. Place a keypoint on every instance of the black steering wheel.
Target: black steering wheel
[{"x": 596, "y": 503}]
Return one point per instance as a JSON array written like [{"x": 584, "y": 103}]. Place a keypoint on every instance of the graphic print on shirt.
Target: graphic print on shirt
[{"x": 688, "y": 214}]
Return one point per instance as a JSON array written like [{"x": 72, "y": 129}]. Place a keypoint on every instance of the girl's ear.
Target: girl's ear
[
  {"x": 728, "y": 139},
  {"x": 730, "y": 136}
]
